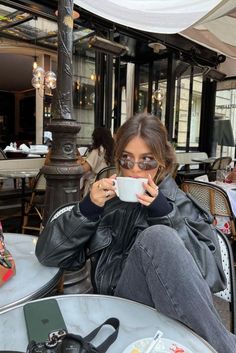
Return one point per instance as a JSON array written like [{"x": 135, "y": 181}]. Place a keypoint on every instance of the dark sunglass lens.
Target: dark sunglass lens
[
  {"x": 126, "y": 164},
  {"x": 148, "y": 165}
]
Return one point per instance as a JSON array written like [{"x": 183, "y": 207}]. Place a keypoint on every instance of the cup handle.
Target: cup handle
[{"x": 116, "y": 187}]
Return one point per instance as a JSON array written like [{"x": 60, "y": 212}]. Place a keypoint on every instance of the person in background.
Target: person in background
[
  {"x": 161, "y": 251},
  {"x": 99, "y": 156}
]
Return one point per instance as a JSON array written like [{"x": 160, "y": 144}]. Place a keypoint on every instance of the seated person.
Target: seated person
[
  {"x": 99, "y": 156},
  {"x": 161, "y": 251}
]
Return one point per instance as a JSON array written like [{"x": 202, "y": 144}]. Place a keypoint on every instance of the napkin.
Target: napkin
[
  {"x": 10, "y": 148},
  {"x": 24, "y": 148}
]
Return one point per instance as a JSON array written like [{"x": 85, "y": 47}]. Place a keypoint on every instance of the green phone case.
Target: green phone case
[{"x": 41, "y": 318}]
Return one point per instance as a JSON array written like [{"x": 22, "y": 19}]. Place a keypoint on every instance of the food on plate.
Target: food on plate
[{"x": 136, "y": 350}]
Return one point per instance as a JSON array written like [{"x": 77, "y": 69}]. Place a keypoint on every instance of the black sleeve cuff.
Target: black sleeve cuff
[
  {"x": 89, "y": 209},
  {"x": 159, "y": 207}
]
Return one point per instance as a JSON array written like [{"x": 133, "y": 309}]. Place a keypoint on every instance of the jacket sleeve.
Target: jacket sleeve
[
  {"x": 194, "y": 226},
  {"x": 62, "y": 243}
]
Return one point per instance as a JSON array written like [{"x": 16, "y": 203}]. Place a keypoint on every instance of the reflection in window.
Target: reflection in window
[
  {"x": 186, "y": 127},
  {"x": 225, "y": 109}
]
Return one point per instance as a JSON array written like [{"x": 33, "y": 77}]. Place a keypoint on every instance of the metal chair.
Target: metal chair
[
  {"x": 73, "y": 281},
  {"x": 35, "y": 205},
  {"x": 2, "y": 154},
  {"x": 219, "y": 163},
  {"x": 106, "y": 172},
  {"x": 215, "y": 200},
  {"x": 229, "y": 293}
]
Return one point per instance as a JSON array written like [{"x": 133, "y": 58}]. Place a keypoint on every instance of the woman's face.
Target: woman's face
[{"x": 138, "y": 151}]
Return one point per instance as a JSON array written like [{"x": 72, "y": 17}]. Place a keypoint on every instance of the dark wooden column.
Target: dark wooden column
[{"x": 62, "y": 172}]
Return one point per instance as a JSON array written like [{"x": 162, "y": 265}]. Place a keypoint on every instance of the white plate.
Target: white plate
[{"x": 164, "y": 346}]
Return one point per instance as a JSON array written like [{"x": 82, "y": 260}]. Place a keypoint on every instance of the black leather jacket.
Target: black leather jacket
[{"x": 71, "y": 238}]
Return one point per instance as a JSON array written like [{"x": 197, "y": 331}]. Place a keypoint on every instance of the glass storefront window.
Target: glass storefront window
[
  {"x": 196, "y": 111},
  {"x": 187, "y": 112},
  {"x": 84, "y": 93},
  {"x": 225, "y": 110},
  {"x": 142, "y": 94}
]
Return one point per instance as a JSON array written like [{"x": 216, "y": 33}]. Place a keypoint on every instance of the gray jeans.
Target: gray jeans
[{"x": 160, "y": 272}]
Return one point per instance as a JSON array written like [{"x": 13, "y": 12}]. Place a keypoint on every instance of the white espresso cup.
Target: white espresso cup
[{"x": 127, "y": 188}]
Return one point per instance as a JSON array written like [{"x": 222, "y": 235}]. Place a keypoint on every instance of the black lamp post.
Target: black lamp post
[{"x": 62, "y": 172}]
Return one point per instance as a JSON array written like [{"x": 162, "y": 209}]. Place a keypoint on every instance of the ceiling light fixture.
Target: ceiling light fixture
[
  {"x": 107, "y": 46},
  {"x": 41, "y": 79},
  {"x": 157, "y": 47}
]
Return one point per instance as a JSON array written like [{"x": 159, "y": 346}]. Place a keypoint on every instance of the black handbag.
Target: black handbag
[{"x": 63, "y": 342}]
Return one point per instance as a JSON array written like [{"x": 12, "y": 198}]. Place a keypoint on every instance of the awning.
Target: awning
[
  {"x": 158, "y": 16},
  {"x": 217, "y": 30}
]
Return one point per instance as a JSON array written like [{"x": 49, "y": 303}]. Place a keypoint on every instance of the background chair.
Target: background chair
[
  {"x": 219, "y": 163},
  {"x": 2, "y": 154},
  {"x": 215, "y": 200},
  {"x": 73, "y": 281},
  {"x": 229, "y": 293},
  {"x": 34, "y": 207},
  {"x": 106, "y": 172}
]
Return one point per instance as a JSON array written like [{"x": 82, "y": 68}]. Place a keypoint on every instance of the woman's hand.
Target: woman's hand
[
  {"x": 103, "y": 190},
  {"x": 151, "y": 192}
]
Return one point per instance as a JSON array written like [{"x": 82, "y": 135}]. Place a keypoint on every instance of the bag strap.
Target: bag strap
[
  {"x": 103, "y": 347},
  {"x": 85, "y": 341}
]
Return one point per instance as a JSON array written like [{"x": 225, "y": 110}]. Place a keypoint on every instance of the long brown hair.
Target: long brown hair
[
  {"x": 154, "y": 133},
  {"x": 102, "y": 137}
]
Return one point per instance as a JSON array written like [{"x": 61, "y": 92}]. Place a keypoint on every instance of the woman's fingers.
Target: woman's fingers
[
  {"x": 151, "y": 192},
  {"x": 102, "y": 190}
]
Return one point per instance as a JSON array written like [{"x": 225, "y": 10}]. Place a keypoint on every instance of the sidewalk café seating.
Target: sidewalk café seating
[
  {"x": 35, "y": 205},
  {"x": 215, "y": 201},
  {"x": 2, "y": 154},
  {"x": 73, "y": 282},
  {"x": 229, "y": 293},
  {"x": 219, "y": 163},
  {"x": 188, "y": 168}
]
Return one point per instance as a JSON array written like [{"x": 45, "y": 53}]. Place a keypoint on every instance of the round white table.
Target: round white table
[
  {"x": 84, "y": 312},
  {"x": 32, "y": 280}
]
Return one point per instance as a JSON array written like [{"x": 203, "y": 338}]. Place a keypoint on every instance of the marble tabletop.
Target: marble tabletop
[
  {"x": 32, "y": 280},
  {"x": 84, "y": 312}
]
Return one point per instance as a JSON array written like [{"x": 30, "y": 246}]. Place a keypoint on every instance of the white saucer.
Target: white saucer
[{"x": 164, "y": 346}]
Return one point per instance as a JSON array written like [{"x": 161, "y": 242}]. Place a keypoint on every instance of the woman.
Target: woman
[
  {"x": 100, "y": 155},
  {"x": 161, "y": 251}
]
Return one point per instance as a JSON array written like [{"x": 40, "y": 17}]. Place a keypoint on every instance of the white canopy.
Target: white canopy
[
  {"x": 169, "y": 16},
  {"x": 211, "y": 23},
  {"x": 217, "y": 30}
]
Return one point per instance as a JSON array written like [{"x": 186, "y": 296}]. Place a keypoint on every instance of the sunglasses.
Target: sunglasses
[{"x": 128, "y": 163}]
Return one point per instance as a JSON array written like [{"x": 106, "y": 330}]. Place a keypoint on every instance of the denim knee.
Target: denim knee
[{"x": 159, "y": 237}]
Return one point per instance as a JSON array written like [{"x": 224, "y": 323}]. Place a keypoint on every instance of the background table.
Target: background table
[
  {"x": 83, "y": 312},
  {"x": 32, "y": 280},
  {"x": 30, "y": 173}
]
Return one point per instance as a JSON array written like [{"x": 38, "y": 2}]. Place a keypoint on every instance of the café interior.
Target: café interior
[{"x": 117, "y": 71}]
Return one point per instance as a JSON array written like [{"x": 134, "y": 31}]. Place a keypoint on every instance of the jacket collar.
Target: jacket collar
[{"x": 169, "y": 188}]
